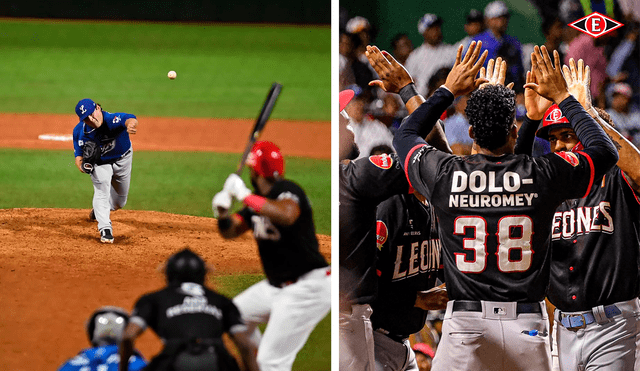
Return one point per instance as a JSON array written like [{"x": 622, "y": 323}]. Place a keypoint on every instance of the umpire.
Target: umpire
[{"x": 190, "y": 319}]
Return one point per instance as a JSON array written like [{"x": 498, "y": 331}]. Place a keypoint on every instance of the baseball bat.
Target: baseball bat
[{"x": 265, "y": 112}]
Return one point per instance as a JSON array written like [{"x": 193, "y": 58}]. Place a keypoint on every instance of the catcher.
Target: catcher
[{"x": 103, "y": 150}]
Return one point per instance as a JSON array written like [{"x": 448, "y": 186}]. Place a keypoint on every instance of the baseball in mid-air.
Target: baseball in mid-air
[{"x": 172, "y": 75}]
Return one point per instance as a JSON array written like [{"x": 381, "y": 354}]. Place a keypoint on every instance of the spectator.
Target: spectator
[
  {"x": 496, "y": 41},
  {"x": 553, "y": 31},
  {"x": 367, "y": 131},
  {"x": 392, "y": 111},
  {"x": 424, "y": 356},
  {"x": 627, "y": 121},
  {"x": 473, "y": 26},
  {"x": 432, "y": 55},
  {"x": 352, "y": 70},
  {"x": 105, "y": 328},
  {"x": 591, "y": 51},
  {"x": 456, "y": 128},
  {"x": 401, "y": 46}
]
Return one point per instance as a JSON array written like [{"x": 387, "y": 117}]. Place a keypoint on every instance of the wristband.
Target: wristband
[
  {"x": 408, "y": 92},
  {"x": 255, "y": 202}
]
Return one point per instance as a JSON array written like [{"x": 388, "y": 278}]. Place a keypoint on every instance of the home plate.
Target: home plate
[{"x": 56, "y": 137}]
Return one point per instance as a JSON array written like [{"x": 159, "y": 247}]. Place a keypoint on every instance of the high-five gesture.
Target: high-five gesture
[
  {"x": 550, "y": 82},
  {"x": 496, "y": 73},
  {"x": 393, "y": 76},
  {"x": 578, "y": 80},
  {"x": 535, "y": 104},
  {"x": 462, "y": 78}
]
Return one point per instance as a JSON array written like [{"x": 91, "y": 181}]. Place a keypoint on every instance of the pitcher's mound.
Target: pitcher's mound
[{"x": 54, "y": 272}]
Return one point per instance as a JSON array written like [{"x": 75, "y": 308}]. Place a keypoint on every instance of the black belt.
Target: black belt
[
  {"x": 476, "y": 306},
  {"x": 113, "y": 161}
]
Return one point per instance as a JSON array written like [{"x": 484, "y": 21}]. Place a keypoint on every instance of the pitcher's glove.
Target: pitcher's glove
[{"x": 90, "y": 155}]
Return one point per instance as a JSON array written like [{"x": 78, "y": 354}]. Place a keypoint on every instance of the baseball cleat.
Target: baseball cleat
[
  {"x": 106, "y": 236},
  {"x": 92, "y": 215}
]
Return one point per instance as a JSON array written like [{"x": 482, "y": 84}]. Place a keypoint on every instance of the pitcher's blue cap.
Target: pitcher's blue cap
[{"x": 84, "y": 108}]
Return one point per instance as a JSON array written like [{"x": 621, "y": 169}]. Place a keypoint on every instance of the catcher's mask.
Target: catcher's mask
[
  {"x": 185, "y": 266},
  {"x": 106, "y": 325},
  {"x": 266, "y": 160},
  {"x": 553, "y": 119}
]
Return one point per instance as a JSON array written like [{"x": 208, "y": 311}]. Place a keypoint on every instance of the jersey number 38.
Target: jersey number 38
[{"x": 513, "y": 233}]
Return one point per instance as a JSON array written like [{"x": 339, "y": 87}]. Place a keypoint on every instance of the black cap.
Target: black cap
[{"x": 475, "y": 16}]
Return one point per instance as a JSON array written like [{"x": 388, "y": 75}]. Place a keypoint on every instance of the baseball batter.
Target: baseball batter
[
  {"x": 494, "y": 210},
  {"x": 595, "y": 245},
  {"x": 111, "y": 173},
  {"x": 408, "y": 262},
  {"x": 190, "y": 319},
  {"x": 296, "y": 293}
]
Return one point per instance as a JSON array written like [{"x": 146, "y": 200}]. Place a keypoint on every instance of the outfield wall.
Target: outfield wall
[{"x": 282, "y": 11}]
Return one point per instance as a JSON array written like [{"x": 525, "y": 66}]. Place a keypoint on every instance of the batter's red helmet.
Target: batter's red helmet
[
  {"x": 553, "y": 119},
  {"x": 266, "y": 160}
]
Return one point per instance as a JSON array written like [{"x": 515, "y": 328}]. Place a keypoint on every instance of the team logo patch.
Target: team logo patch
[
  {"x": 569, "y": 157},
  {"x": 382, "y": 233},
  {"x": 554, "y": 115},
  {"x": 595, "y": 24},
  {"x": 383, "y": 161}
]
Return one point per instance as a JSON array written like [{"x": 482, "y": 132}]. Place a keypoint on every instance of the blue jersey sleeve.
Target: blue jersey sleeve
[{"x": 77, "y": 140}]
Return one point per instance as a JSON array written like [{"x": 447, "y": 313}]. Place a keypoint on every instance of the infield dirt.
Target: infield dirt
[{"x": 54, "y": 271}]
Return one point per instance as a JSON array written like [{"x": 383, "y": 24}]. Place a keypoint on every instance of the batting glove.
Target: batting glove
[
  {"x": 236, "y": 187},
  {"x": 221, "y": 200}
]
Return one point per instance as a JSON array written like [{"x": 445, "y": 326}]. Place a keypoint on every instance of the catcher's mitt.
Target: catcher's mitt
[{"x": 90, "y": 155}]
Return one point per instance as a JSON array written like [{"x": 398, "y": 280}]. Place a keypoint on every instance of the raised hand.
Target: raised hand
[
  {"x": 578, "y": 80},
  {"x": 535, "y": 104},
  {"x": 495, "y": 73},
  {"x": 393, "y": 76},
  {"x": 550, "y": 82},
  {"x": 462, "y": 78}
]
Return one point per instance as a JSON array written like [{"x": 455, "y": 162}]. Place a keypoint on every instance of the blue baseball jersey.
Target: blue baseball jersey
[
  {"x": 105, "y": 358},
  {"x": 112, "y": 136}
]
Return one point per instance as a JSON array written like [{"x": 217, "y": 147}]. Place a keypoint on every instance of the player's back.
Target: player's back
[{"x": 495, "y": 215}]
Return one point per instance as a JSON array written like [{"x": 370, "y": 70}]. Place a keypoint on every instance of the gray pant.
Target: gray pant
[
  {"x": 607, "y": 346},
  {"x": 392, "y": 355},
  {"x": 110, "y": 188},
  {"x": 493, "y": 340},
  {"x": 356, "y": 339}
]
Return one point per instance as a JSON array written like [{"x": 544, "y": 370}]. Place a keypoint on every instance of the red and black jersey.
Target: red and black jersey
[
  {"x": 287, "y": 252},
  {"x": 408, "y": 262},
  {"x": 187, "y": 311},
  {"x": 595, "y": 246},
  {"x": 494, "y": 215},
  {"x": 364, "y": 183}
]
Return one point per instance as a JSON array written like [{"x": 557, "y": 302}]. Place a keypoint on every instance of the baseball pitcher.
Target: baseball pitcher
[{"x": 103, "y": 150}]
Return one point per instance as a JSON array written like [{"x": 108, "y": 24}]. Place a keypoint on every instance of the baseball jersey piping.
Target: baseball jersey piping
[
  {"x": 592, "y": 172},
  {"x": 406, "y": 162},
  {"x": 635, "y": 195}
]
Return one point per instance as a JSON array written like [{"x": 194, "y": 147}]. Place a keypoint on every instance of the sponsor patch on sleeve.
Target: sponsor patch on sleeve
[
  {"x": 383, "y": 161},
  {"x": 382, "y": 233},
  {"x": 569, "y": 157}
]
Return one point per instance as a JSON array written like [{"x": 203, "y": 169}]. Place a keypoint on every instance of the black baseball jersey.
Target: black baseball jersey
[
  {"x": 287, "y": 252},
  {"x": 494, "y": 215},
  {"x": 187, "y": 311},
  {"x": 408, "y": 262},
  {"x": 364, "y": 183},
  {"x": 595, "y": 245}
]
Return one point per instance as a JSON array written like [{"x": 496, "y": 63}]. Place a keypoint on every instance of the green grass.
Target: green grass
[
  {"x": 173, "y": 182},
  {"x": 314, "y": 356},
  {"x": 223, "y": 70}
]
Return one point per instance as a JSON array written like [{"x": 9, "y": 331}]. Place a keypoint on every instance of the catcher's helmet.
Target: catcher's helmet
[
  {"x": 553, "y": 119},
  {"x": 266, "y": 160},
  {"x": 185, "y": 266},
  {"x": 106, "y": 325}
]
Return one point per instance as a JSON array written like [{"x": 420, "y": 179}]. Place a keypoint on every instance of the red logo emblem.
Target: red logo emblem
[
  {"x": 382, "y": 233},
  {"x": 596, "y": 24},
  {"x": 569, "y": 157},
  {"x": 382, "y": 161},
  {"x": 554, "y": 115}
]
